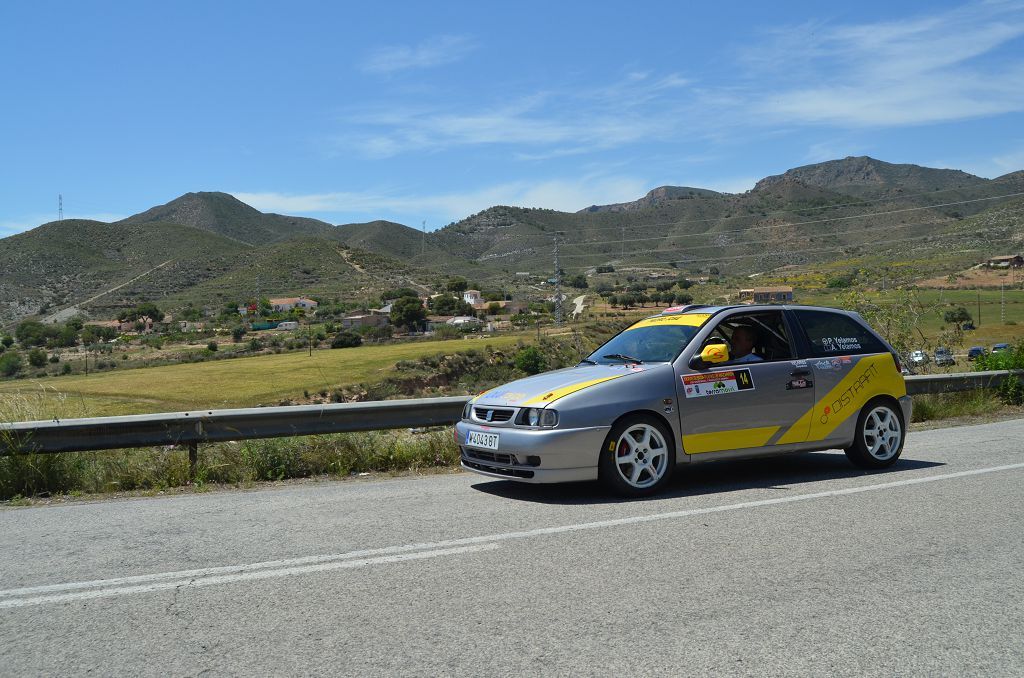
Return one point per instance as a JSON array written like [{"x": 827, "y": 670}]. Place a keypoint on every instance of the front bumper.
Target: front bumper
[
  {"x": 907, "y": 405},
  {"x": 534, "y": 455}
]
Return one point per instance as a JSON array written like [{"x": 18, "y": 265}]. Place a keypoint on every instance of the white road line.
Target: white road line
[
  {"x": 261, "y": 570},
  {"x": 243, "y": 576}
]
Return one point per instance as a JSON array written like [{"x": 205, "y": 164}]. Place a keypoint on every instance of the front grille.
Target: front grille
[
  {"x": 511, "y": 472},
  {"x": 498, "y": 414},
  {"x": 491, "y": 456}
]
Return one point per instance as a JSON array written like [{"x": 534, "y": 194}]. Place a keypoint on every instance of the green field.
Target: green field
[{"x": 240, "y": 382}]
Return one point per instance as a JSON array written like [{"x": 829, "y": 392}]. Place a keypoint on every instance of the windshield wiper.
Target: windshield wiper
[
  {"x": 588, "y": 360},
  {"x": 623, "y": 358}
]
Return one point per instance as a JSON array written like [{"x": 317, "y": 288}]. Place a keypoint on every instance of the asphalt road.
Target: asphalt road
[{"x": 800, "y": 565}]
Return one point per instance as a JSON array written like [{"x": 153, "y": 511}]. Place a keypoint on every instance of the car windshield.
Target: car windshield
[{"x": 654, "y": 340}]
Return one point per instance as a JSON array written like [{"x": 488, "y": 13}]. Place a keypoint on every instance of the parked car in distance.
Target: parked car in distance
[
  {"x": 999, "y": 348},
  {"x": 918, "y": 357},
  {"x": 975, "y": 352},
  {"x": 944, "y": 357}
]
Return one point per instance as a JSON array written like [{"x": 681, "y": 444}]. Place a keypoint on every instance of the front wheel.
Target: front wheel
[
  {"x": 879, "y": 438},
  {"x": 638, "y": 456}
]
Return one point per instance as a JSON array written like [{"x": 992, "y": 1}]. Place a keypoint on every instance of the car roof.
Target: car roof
[{"x": 714, "y": 310}]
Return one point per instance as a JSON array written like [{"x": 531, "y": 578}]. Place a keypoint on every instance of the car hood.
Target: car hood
[{"x": 543, "y": 389}]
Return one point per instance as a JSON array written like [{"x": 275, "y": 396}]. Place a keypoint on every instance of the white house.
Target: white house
[
  {"x": 472, "y": 297},
  {"x": 285, "y": 304}
]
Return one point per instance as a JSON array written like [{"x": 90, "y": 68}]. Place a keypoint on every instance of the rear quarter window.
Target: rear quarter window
[{"x": 834, "y": 334}]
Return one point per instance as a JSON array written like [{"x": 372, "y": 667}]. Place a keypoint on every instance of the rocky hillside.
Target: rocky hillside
[{"x": 210, "y": 248}]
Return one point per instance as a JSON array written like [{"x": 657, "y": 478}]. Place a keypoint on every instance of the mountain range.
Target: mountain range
[{"x": 210, "y": 249}]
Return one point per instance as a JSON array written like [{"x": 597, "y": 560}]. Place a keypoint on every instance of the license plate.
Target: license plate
[{"x": 488, "y": 441}]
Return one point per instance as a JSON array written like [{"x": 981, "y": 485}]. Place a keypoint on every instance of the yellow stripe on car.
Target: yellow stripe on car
[
  {"x": 737, "y": 439},
  {"x": 870, "y": 377},
  {"x": 688, "y": 319},
  {"x": 555, "y": 394}
]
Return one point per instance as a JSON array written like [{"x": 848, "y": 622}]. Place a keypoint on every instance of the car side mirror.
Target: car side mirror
[{"x": 712, "y": 354}]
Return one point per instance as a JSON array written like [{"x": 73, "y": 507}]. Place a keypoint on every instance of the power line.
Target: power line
[
  {"x": 807, "y": 209},
  {"x": 802, "y": 251},
  {"x": 749, "y": 242}
]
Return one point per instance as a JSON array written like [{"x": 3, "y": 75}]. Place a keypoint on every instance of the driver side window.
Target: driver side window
[{"x": 754, "y": 337}]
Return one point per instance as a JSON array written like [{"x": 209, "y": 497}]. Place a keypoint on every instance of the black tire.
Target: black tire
[
  {"x": 874, "y": 444},
  {"x": 652, "y": 459}
]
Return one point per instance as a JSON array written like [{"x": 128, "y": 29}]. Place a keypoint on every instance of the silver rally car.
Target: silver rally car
[{"x": 694, "y": 384}]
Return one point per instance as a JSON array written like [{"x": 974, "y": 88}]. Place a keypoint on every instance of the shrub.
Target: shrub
[
  {"x": 212, "y": 346},
  {"x": 530, "y": 360},
  {"x": 346, "y": 339},
  {"x": 10, "y": 364},
  {"x": 37, "y": 357}
]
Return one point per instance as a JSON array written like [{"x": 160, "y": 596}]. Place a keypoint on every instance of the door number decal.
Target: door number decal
[{"x": 717, "y": 383}]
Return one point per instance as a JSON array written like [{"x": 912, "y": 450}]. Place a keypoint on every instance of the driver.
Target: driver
[{"x": 743, "y": 339}]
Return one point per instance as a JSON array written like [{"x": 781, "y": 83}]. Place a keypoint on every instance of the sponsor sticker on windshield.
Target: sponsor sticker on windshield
[{"x": 717, "y": 383}]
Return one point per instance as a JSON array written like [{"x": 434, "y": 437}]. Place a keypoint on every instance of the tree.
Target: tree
[
  {"x": 144, "y": 310},
  {"x": 346, "y": 339},
  {"x": 957, "y": 316},
  {"x": 684, "y": 283},
  {"x": 10, "y": 364},
  {"x": 683, "y": 298},
  {"x": 31, "y": 333},
  {"x": 457, "y": 284},
  {"x": 7, "y": 341},
  {"x": 389, "y": 295},
  {"x": 579, "y": 281},
  {"x": 408, "y": 312},
  {"x": 37, "y": 357},
  {"x": 604, "y": 269},
  {"x": 449, "y": 305},
  {"x": 237, "y": 333}
]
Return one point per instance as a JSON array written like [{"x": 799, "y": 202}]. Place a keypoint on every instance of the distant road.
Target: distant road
[{"x": 797, "y": 565}]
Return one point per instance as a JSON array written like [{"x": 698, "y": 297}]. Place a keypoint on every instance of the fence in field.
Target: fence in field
[{"x": 206, "y": 426}]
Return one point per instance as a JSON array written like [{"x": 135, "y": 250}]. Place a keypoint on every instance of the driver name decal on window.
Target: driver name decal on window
[
  {"x": 833, "y": 344},
  {"x": 717, "y": 383}
]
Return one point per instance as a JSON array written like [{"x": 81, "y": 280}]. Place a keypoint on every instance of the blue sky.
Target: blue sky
[{"x": 433, "y": 111}]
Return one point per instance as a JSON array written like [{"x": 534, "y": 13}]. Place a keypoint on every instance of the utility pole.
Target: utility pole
[
  {"x": 979, "y": 309},
  {"x": 558, "y": 285},
  {"x": 60, "y": 207},
  {"x": 1002, "y": 305}
]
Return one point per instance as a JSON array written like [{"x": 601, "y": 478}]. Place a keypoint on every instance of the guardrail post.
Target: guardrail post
[{"x": 193, "y": 461}]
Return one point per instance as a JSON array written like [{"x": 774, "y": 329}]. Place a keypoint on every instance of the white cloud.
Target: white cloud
[
  {"x": 909, "y": 72},
  {"x": 567, "y": 195},
  {"x": 543, "y": 124},
  {"x": 437, "y": 51}
]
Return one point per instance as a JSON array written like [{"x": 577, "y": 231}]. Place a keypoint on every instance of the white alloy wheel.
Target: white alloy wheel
[
  {"x": 883, "y": 433},
  {"x": 641, "y": 456}
]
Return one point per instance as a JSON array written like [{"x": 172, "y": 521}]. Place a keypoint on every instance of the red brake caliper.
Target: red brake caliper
[{"x": 623, "y": 448}]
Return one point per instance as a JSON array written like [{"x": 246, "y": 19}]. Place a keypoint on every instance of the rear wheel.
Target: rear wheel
[
  {"x": 638, "y": 456},
  {"x": 879, "y": 438}
]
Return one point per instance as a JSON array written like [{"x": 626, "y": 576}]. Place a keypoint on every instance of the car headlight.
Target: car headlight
[
  {"x": 536, "y": 416},
  {"x": 467, "y": 410}
]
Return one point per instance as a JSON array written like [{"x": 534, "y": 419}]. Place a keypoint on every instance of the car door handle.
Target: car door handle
[{"x": 800, "y": 373}]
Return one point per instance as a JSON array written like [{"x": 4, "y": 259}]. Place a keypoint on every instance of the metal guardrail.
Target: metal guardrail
[
  {"x": 193, "y": 428},
  {"x": 958, "y": 381},
  {"x": 208, "y": 426}
]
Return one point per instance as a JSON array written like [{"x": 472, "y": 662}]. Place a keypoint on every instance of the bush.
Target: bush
[
  {"x": 237, "y": 334},
  {"x": 10, "y": 364},
  {"x": 530, "y": 360},
  {"x": 66, "y": 368},
  {"x": 37, "y": 357},
  {"x": 212, "y": 346},
  {"x": 346, "y": 339}
]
